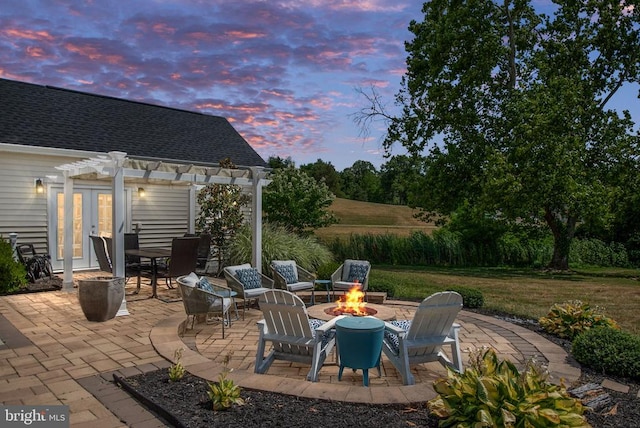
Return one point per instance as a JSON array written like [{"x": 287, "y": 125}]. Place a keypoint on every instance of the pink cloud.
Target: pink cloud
[{"x": 27, "y": 34}]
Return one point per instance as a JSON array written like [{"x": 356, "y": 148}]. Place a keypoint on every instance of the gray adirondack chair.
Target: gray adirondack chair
[
  {"x": 293, "y": 336},
  {"x": 420, "y": 340}
]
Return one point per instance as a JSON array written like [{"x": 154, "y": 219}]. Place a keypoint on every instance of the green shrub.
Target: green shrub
[
  {"x": 595, "y": 252},
  {"x": 326, "y": 270},
  {"x": 382, "y": 286},
  {"x": 609, "y": 351},
  {"x": 492, "y": 393},
  {"x": 279, "y": 244},
  {"x": 13, "y": 274},
  {"x": 569, "y": 319},
  {"x": 471, "y": 297}
]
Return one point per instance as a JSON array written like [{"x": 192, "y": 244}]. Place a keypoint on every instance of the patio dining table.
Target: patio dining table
[{"x": 152, "y": 254}]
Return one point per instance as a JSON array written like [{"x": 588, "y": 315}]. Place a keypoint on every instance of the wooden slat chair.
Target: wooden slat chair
[
  {"x": 420, "y": 339},
  {"x": 293, "y": 336}
]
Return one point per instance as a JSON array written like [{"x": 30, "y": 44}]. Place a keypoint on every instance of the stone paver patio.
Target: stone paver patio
[{"x": 50, "y": 354}]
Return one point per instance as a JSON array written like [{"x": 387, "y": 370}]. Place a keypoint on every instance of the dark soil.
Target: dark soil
[
  {"x": 44, "y": 284},
  {"x": 188, "y": 403}
]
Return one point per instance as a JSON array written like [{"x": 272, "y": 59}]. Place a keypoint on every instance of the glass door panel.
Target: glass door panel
[
  {"x": 78, "y": 247},
  {"x": 92, "y": 215},
  {"x": 104, "y": 214}
]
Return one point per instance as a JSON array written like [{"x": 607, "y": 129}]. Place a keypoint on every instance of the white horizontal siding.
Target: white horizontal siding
[
  {"x": 163, "y": 213},
  {"x": 21, "y": 210}
]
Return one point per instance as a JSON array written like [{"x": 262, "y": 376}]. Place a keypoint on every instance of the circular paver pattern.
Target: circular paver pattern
[{"x": 206, "y": 352}]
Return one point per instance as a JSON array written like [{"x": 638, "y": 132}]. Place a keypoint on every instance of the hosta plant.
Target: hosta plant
[
  {"x": 569, "y": 319},
  {"x": 493, "y": 393},
  {"x": 177, "y": 371},
  {"x": 224, "y": 393}
]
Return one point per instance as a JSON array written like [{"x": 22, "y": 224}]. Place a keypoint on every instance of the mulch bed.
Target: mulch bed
[
  {"x": 189, "y": 406},
  {"x": 46, "y": 284}
]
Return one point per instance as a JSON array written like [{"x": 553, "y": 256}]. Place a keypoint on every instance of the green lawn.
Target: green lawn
[
  {"x": 525, "y": 292},
  {"x": 522, "y": 292}
]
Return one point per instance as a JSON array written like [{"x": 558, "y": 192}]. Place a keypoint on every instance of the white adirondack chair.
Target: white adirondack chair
[
  {"x": 420, "y": 340},
  {"x": 293, "y": 336}
]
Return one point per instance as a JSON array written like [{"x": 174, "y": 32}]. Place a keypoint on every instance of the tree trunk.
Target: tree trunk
[{"x": 563, "y": 232}]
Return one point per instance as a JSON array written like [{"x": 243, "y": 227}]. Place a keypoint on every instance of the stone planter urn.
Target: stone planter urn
[{"x": 100, "y": 297}]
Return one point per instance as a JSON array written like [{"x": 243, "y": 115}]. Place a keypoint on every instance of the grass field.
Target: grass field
[
  {"x": 367, "y": 217},
  {"x": 522, "y": 292}
]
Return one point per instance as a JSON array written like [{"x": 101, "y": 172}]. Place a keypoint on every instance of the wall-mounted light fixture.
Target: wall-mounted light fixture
[
  {"x": 39, "y": 186},
  {"x": 141, "y": 192}
]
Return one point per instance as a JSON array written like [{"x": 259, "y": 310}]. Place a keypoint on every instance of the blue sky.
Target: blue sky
[{"x": 284, "y": 72}]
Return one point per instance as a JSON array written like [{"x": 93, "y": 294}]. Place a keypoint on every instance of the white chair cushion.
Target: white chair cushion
[
  {"x": 343, "y": 285},
  {"x": 190, "y": 280},
  {"x": 254, "y": 292},
  {"x": 297, "y": 286},
  {"x": 215, "y": 306}
]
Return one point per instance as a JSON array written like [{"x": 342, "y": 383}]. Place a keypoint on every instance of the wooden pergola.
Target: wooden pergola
[{"x": 116, "y": 167}]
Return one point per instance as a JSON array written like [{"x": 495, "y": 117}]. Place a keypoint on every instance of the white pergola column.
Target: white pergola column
[
  {"x": 256, "y": 220},
  {"x": 191, "y": 227},
  {"x": 118, "y": 222},
  {"x": 67, "y": 262}
]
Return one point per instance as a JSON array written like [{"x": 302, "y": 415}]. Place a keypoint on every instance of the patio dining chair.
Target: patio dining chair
[
  {"x": 183, "y": 259},
  {"x": 247, "y": 282},
  {"x": 293, "y": 336},
  {"x": 102, "y": 248},
  {"x": 204, "y": 249},
  {"x": 132, "y": 265},
  {"x": 420, "y": 339}
]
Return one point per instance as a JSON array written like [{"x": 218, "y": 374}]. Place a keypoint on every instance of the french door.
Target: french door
[{"x": 92, "y": 215}]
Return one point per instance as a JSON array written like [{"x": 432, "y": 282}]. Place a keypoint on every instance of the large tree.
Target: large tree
[
  {"x": 297, "y": 202},
  {"x": 361, "y": 182},
  {"x": 512, "y": 109},
  {"x": 400, "y": 179},
  {"x": 324, "y": 172}
]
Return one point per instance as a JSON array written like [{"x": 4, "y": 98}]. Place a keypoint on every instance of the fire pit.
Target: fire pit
[
  {"x": 352, "y": 303},
  {"x": 362, "y": 312},
  {"x": 325, "y": 311}
]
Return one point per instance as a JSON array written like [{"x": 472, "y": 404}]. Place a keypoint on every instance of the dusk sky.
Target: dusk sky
[{"x": 283, "y": 72}]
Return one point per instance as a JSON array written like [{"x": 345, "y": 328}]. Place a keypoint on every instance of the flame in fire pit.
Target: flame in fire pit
[{"x": 352, "y": 303}]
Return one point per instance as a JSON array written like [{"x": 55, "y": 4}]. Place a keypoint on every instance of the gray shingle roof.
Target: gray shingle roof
[{"x": 35, "y": 115}]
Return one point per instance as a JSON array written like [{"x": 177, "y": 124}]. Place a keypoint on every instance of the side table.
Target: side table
[
  {"x": 359, "y": 344},
  {"x": 326, "y": 283}
]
